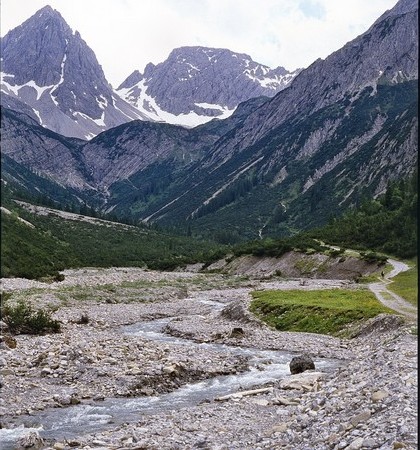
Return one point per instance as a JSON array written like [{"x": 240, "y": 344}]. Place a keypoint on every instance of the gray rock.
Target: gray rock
[
  {"x": 301, "y": 363},
  {"x": 31, "y": 440},
  {"x": 345, "y": 413},
  {"x": 71, "y": 91},
  {"x": 193, "y": 77}
]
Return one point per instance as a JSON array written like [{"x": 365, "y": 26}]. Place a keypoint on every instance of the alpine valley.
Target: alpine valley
[{"x": 209, "y": 140}]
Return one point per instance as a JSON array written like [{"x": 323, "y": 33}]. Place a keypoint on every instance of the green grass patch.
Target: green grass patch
[
  {"x": 328, "y": 311},
  {"x": 405, "y": 284}
]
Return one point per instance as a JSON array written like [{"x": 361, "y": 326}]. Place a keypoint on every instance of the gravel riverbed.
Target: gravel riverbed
[{"x": 369, "y": 401}]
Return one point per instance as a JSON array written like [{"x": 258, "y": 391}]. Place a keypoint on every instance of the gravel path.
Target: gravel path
[{"x": 389, "y": 298}]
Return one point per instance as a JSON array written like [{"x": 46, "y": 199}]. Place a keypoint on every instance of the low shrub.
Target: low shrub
[
  {"x": 373, "y": 257},
  {"x": 336, "y": 252},
  {"x": 23, "y": 319},
  {"x": 59, "y": 277}
]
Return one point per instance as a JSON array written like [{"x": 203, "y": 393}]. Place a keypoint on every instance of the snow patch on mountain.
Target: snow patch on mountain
[
  {"x": 197, "y": 84},
  {"x": 137, "y": 95}
]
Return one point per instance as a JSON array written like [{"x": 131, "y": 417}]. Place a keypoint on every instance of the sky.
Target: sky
[{"x": 128, "y": 34}]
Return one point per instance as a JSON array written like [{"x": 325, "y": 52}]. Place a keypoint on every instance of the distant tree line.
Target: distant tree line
[{"x": 387, "y": 224}]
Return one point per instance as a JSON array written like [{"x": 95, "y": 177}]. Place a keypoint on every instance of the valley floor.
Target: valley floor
[{"x": 362, "y": 394}]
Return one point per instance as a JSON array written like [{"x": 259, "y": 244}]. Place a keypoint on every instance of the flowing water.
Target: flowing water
[{"x": 73, "y": 421}]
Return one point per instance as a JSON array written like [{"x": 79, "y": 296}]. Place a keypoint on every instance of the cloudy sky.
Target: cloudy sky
[{"x": 127, "y": 34}]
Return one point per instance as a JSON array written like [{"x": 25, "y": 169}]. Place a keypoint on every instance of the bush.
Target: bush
[
  {"x": 372, "y": 257},
  {"x": 22, "y": 319},
  {"x": 59, "y": 277},
  {"x": 336, "y": 252}
]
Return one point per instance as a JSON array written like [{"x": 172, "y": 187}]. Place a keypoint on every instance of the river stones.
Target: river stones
[
  {"x": 368, "y": 401},
  {"x": 31, "y": 440}
]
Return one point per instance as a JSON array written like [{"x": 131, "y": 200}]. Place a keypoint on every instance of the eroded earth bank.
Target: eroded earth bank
[{"x": 151, "y": 360}]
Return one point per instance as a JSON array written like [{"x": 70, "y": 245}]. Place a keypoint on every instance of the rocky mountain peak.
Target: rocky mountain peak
[
  {"x": 47, "y": 13},
  {"x": 35, "y": 49},
  {"x": 402, "y": 7},
  {"x": 182, "y": 89},
  {"x": 50, "y": 68},
  {"x": 131, "y": 80}
]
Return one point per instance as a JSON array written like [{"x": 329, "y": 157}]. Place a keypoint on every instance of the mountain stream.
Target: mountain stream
[{"x": 65, "y": 423}]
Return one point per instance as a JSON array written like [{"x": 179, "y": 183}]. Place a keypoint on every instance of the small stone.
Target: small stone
[
  {"x": 31, "y": 440},
  {"x": 362, "y": 417},
  {"x": 147, "y": 391},
  {"x": 369, "y": 443},
  {"x": 397, "y": 444},
  {"x": 9, "y": 341},
  {"x": 237, "y": 332},
  {"x": 260, "y": 401},
  {"x": 378, "y": 396},
  {"x": 171, "y": 369},
  {"x": 99, "y": 442},
  {"x": 284, "y": 401},
  {"x": 333, "y": 438},
  {"x": 63, "y": 399},
  {"x": 282, "y": 412},
  {"x": 356, "y": 444},
  {"x": 281, "y": 428},
  {"x": 74, "y": 400}
]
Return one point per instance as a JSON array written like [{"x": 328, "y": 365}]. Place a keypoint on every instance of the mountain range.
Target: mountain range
[
  {"x": 294, "y": 151},
  {"x": 198, "y": 83},
  {"x": 50, "y": 73}
]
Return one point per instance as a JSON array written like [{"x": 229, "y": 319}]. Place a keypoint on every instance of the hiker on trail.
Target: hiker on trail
[{"x": 382, "y": 274}]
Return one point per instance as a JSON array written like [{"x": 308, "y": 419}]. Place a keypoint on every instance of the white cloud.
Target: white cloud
[{"x": 127, "y": 34}]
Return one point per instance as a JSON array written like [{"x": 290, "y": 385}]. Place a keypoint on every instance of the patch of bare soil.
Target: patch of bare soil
[{"x": 296, "y": 264}]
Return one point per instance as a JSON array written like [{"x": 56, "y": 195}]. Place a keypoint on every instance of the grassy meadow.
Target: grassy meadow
[
  {"x": 328, "y": 311},
  {"x": 405, "y": 284}
]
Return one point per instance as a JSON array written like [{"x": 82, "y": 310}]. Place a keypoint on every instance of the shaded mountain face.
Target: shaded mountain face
[
  {"x": 49, "y": 68},
  {"x": 154, "y": 153},
  {"x": 340, "y": 131},
  {"x": 196, "y": 84},
  {"x": 42, "y": 151}
]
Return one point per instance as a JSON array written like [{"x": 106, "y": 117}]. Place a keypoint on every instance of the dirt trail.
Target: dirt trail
[{"x": 389, "y": 298}]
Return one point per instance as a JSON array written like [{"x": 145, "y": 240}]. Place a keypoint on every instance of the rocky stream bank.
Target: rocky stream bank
[{"x": 361, "y": 395}]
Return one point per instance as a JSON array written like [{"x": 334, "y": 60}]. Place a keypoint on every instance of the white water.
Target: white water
[{"x": 73, "y": 421}]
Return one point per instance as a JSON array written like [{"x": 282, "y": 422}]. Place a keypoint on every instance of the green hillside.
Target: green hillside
[
  {"x": 387, "y": 224},
  {"x": 54, "y": 244}
]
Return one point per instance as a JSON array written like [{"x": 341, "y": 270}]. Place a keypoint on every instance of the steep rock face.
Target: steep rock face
[
  {"x": 132, "y": 148},
  {"x": 117, "y": 154},
  {"x": 387, "y": 53},
  {"x": 195, "y": 84},
  {"x": 42, "y": 151},
  {"x": 52, "y": 70},
  {"x": 342, "y": 129}
]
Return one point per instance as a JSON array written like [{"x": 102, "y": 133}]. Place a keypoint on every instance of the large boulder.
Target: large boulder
[{"x": 299, "y": 364}]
